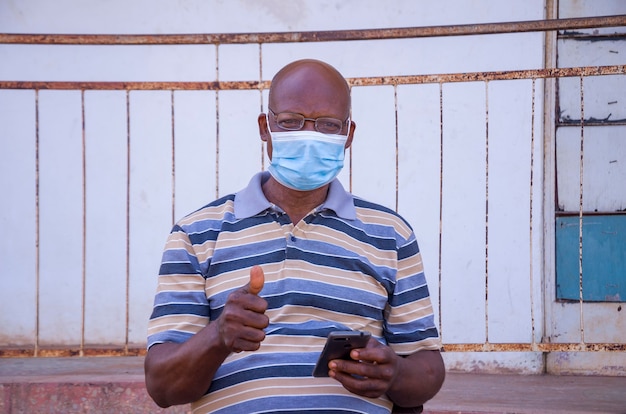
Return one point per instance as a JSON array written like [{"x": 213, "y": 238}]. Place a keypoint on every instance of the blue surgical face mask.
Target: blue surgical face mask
[{"x": 306, "y": 160}]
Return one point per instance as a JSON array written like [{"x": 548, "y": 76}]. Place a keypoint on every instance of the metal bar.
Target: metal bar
[
  {"x": 530, "y": 216},
  {"x": 37, "y": 230},
  {"x": 547, "y": 180},
  {"x": 71, "y": 352},
  {"x": 146, "y": 86},
  {"x": 487, "y": 211},
  {"x": 83, "y": 299},
  {"x": 364, "y": 81},
  {"x": 440, "y": 235},
  {"x": 217, "y": 123},
  {"x": 589, "y": 213},
  {"x": 128, "y": 182},
  {"x": 490, "y": 76},
  {"x": 320, "y": 36},
  {"x": 580, "y": 215},
  {"x": 173, "y": 157},
  {"x": 589, "y": 122},
  {"x": 591, "y": 37},
  {"x": 474, "y": 347},
  {"x": 397, "y": 141},
  {"x": 536, "y": 347},
  {"x": 261, "y": 106}
]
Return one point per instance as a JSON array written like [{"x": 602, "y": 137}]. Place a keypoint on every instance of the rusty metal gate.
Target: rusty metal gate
[{"x": 540, "y": 83}]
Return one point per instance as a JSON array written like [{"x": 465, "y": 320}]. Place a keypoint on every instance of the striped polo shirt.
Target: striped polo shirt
[{"x": 348, "y": 265}]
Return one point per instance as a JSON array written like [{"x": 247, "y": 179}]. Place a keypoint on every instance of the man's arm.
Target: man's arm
[
  {"x": 419, "y": 378},
  {"x": 182, "y": 373}
]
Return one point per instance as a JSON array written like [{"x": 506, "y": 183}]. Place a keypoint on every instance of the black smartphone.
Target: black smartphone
[{"x": 338, "y": 346}]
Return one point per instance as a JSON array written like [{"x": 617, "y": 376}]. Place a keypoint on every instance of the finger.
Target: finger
[
  {"x": 374, "y": 352},
  {"x": 257, "y": 280},
  {"x": 367, "y": 387}
]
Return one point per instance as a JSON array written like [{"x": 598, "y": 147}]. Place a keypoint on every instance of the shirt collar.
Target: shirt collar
[{"x": 251, "y": 200}]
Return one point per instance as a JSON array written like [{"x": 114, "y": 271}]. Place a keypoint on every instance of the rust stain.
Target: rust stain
[
  {"x": 172, "y": 86},
  {"x": 536, "y": 347},
  {"x": 58, "y": 352}
]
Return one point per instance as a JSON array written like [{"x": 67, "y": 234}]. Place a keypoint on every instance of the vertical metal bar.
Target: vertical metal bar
[
  {"x": 440, "y": 201},
  {"x": 530, "y": 218},
  {"x": 261, "y": 102},
  {"x": 395, "y": 109},
  {"x": 350, "y": 149},
  {"x": 84, "y": 241},
  {"x": 217, "y": 123},
  {"x": 549, "y": 184},
  {"x": 173, "y": 167},
  {"x": 580, "y": 211},
  {"x": 37, "y": 228},
  {"x": 486, "y": 211},
  {"x": 128, "y": 181}
]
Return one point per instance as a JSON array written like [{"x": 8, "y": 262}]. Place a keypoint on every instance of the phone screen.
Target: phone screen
[{"x": 338, "y": 346}]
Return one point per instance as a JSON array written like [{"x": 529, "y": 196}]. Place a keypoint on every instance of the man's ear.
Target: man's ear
[
  {"x": 350, "y": 134},
  {"x": 264, "y": 132},
  {"x": 263, "y": 127}
]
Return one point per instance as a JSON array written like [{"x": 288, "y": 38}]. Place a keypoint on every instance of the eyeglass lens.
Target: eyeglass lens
[{"x": 295, "y": 122}]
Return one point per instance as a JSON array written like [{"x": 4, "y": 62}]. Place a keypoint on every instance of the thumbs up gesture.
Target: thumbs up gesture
[
  {"x": 243, "y": 319},
  {"x": 257, "y": 280}
]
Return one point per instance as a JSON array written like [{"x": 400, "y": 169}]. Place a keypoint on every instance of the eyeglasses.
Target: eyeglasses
[{"x": 295, "y": 122}]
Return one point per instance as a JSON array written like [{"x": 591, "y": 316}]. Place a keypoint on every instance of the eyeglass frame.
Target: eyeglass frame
[{"x": 304, "y": 119}]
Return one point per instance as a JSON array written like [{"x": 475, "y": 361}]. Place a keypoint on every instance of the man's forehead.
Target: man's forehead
[
  {"x": 309, "y": 81},
  {"x": 308, "y": 73}
]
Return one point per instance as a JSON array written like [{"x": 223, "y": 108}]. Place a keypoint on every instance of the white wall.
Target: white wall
[{"x": 83, "y": 239}]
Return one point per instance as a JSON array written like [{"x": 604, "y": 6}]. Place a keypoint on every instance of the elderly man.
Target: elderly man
[{"x": 251, "y": 285}]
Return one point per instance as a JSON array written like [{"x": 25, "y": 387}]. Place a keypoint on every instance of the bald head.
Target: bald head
[{"x": 312, "y": 88}]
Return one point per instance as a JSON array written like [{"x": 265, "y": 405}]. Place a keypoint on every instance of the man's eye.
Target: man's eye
[
  {"x": 329, "y": 126},
  {"x": 289, "y": 123}
]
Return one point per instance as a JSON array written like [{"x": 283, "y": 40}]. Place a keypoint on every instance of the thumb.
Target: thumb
[{"x": 257, "y": 279}]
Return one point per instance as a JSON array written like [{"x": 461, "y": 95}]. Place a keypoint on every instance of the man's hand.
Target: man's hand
[
  {"x": 370, "y": 373},
  {"x": 376, "y": 370},
  {"x": 179, "y": 373},
  {"x": 243, "y": 319}
]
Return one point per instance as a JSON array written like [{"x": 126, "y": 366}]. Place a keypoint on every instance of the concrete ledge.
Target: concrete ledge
[
  {"x": 115, "y": 385},
  {"x": 473, "y": 393},
  {"x": 103, "y": 385}
]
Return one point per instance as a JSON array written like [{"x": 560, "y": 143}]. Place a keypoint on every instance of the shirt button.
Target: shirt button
[{"x": 292, "y": 238}]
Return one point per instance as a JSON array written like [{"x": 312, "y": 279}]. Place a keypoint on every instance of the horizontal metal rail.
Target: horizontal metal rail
[
  {"x": 477, "y": 347},
  {"x": 365, "y": 81},
  {"x": 535, "y": 347},
  {"x": 318, "y": 36}
]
